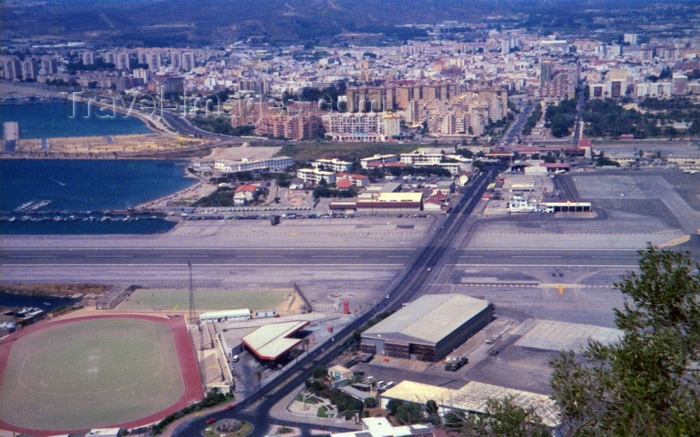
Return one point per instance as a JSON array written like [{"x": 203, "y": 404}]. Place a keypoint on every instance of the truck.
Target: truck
[{"x": 453, "y": 364}]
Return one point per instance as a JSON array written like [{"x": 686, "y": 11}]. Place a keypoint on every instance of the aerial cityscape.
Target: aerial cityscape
[{"x": 350, "y": 218}]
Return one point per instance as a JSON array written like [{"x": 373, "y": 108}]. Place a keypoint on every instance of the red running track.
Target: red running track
[{"x": 185, "y": 352}]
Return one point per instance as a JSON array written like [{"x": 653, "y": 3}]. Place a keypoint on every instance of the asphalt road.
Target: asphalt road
[
  {"x": 182, "y": 125},
  {"x": 515, "y": 130}
]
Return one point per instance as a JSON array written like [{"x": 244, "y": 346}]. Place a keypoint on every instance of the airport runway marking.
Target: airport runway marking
[
  {"x": 259, "y": 256},
  {"x": 92, "y": 266},
  {"x": 184, "y": 256},
  {"x": 628, "y": 266},
  {"x": 336, "y": 256},
  {"x": 478, "y": 284},
  {"x": 33, "y": 256},
  {"x": 109, "y": 256},
  {"x": 536, "y": 256}
]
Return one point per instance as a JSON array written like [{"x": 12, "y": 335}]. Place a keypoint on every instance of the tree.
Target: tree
[
  {"x": 431, "y": 407},
  {"x": 648, "y": 383},
  {"x": 258, "y": 375},
  {"x": 306, "y": 342},
  {"x": 393, "y": 406},
  {"x": 319, "y": 372},
  {"x": 409, "y": 413}
]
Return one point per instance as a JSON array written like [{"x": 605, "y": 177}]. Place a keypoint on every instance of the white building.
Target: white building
[
  {"x": 335, "y": 165},
  {"x": 315, "y": 175},
  {"x": 274, "y": 164},
  {"x": 369, "y": 126},
  {"x": 225, "y": 316},
  {"x": 381, "y": 427},
  {"x": 382, "y": 159}
]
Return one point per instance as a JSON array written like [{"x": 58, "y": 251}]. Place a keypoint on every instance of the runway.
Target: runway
[
  {"x": 233, "y": 257},
  {"x": 302, "y": 257}
]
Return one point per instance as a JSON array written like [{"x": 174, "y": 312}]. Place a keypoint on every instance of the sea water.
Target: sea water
[
  {"x": 81, "y": 187},
  {"x": 59, "y": 120}
]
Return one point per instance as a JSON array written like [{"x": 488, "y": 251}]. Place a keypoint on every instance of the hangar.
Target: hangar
[{"x": 428, "y": 328}]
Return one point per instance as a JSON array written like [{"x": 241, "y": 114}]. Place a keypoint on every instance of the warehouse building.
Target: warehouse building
[
  {"x": 428, "y": 328},
  {"x": 472, "y": 398}
]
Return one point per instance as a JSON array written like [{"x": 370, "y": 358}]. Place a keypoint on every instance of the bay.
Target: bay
[
  {"x": 60, "y": 120},
  {"x": 79, "y": 187}
]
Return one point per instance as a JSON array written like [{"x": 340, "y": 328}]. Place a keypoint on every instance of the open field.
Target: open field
[
  {"x": 159, "y": 299},
  {"x": 309, "y": 151},
  {"x": 93, "y": 372}
]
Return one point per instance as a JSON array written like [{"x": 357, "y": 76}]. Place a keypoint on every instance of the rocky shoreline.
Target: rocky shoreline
[{"x": 54, "y": 290}]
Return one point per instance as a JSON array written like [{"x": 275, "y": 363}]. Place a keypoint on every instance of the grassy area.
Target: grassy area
[
  {"x": 309, "y": 151},
  {"x": 321, "y": 412},
  {"x": 109, "y": 370},
  {"x": 206, "y": 300}
]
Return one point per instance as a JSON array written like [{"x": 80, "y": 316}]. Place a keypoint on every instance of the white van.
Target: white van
[{"x": 235, "y": 359}]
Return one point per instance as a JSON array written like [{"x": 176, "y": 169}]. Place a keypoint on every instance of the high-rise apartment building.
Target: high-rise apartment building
[
  {"x": 679, "y": 84},
  {"x": 154, "y": 61},
  {"x": 88, "y": 58},
  {"x": 13, "y": 68},
  {"x": 546, "y": 72},
  {"x": 175, "y": 60},
  {"x": 49, "y": 65},
  {"x": 187, "y": 61},
  {"x": 30, "y": 69},
  {"x": 122, "y": 61}
]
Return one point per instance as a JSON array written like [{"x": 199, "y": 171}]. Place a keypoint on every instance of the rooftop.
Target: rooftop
[
  {"x": 428, "y": 319},
  {"x": 473, "y": 397},
  {"x": 269, "y": 342}
]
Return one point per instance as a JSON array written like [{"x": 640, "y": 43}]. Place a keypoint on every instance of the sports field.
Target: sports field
[
  {"x": 94, "y": 372},
  {"x": 205, "y": 300}
]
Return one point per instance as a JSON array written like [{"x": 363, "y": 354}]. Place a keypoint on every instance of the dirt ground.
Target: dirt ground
[
  {"x": 107, "y": 146},
  {"x": 60, "y": 290}
]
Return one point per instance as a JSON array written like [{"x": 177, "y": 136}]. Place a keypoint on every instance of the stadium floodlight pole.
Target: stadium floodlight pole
[{"x": 192, "y": 311}]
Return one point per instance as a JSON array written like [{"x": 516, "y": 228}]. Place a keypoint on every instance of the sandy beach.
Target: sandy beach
[{"x": 184, "y": 197}]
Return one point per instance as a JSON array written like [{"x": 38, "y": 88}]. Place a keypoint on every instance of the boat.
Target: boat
[
  {"x": 24, "y": 206},
  {"x": 32, "y": 205}
]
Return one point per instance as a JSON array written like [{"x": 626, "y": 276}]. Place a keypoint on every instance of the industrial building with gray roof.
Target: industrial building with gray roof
[{"x": 428, "y": 328}]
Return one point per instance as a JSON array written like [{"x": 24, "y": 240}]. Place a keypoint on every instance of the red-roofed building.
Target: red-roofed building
[
  {"x": 343, "y": 184},
  {"x": 386, "y": 164},
  {"x": 245, "y": 193},
  {"x": 356, "y": 180}
]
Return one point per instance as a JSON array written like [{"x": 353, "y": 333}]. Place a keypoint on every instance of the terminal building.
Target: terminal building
[
  {"x": 274, "y": 341},
  {"x": 429, "y": 328}
]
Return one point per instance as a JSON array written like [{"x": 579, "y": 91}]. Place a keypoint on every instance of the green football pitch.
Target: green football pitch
[
  {"x": 205, "y": 300},
  {"x": 90, "y": 373}
]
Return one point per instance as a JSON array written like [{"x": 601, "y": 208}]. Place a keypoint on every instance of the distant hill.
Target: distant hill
[{"x": 152, "y": 23}]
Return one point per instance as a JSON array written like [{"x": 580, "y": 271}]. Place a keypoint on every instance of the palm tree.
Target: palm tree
[
  {"x": 306, "y": 346},
  {"x": 259, "y": 374}
]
